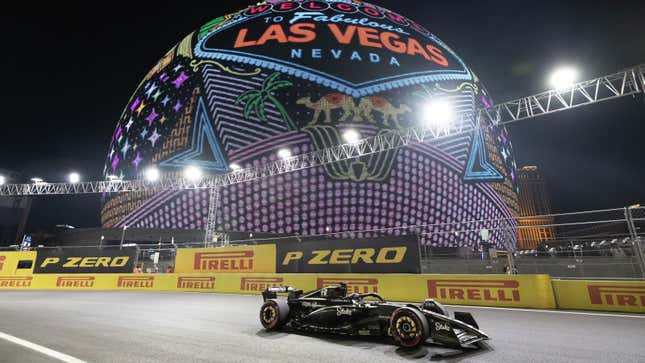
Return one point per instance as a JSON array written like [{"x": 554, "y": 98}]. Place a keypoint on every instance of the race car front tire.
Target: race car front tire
[
  {"x": 409, "y": 327},
  {"x": 274, "y": 314}
]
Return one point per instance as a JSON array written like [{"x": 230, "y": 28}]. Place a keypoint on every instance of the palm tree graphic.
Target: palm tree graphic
[{"x": 254, "y": 100}]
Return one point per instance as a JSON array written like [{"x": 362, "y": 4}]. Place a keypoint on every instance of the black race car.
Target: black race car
[{"x": 331, "y": 310}]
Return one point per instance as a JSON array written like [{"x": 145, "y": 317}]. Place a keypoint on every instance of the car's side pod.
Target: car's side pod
[{"x": 466, "y": 318}]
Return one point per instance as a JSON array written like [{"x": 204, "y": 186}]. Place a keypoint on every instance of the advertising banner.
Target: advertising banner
[
  {"x": 533, "y": 291},
  {"x": 226, "y": 260},
  {"x": 627, "y": 296},
  {"x": 17, "y": 262},
  {"x": 84, "y": 261},
  {"x": 522, "y": 291},
  {"x": 396, "y": 254}
]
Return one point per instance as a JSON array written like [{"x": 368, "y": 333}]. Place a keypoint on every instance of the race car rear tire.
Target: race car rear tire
[
  {"x": 273, "y": 314},
  {"x": 409, "y": 327}
]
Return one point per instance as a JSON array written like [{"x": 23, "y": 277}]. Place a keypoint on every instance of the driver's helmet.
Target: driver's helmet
[{"x": 334, "y": 292}]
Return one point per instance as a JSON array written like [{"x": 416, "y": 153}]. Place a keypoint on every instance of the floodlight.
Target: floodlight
[
  {"x": 351, "y": 136},
  {"x": 235, "y": 167},
  {"x": 113, "y": 178},
  {"x": 438, "y": 113},
  {"x": 284, "y": 153},
  {"x": 563, "y": 78},
  {"x": 74, "y": 178},
  {"x": 193, "y": 173},
  {"x": 3, "y": 180},
  {"x": 37, "y": 180},
  {"x": 152, "y": 174}
]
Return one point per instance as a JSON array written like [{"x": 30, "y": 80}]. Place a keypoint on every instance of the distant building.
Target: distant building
[
  {"x": 14, "y": 212},
  {"x": 535, "y": 225}
]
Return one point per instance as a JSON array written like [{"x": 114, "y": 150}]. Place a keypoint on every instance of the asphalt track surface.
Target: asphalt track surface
[{"x": 194, "y": 327}]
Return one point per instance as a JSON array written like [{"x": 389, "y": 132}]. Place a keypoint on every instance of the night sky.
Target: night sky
[{"x": 69, "y": 68}]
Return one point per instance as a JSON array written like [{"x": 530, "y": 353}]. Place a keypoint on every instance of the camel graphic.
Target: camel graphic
[
  {"x": 327, "y": 103},
  {"x": 384, "y": 107},
  {"x": 364, "y": 110}
]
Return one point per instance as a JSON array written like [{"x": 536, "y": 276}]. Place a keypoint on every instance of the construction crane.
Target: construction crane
[{"x": 628, "y": 82}]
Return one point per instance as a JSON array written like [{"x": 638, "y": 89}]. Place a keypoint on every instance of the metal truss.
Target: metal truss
[
  {"x": 628, "y": 82},
  {"x": 211, "y": 221}
]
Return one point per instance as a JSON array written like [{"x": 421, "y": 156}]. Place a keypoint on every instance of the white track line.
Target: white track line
[
  {"x": 552, "y": 311},
  {"x": 40, "y": 349}
]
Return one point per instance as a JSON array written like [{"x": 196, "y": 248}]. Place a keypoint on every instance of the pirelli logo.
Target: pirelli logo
[
  {"x": 354, "y": 285},
  {"x": 196, "y": 282},
  {"x": 2, "y": 261},
  {"x": 79, "y": 282},
  {"x": 477, "y": 290},
  {"x": 626, "y": 295},
  {"x": 136, "y": 282},
  {"x": 224, "y": 261},
  {"x": 15, "y": 281},
  {"x": 260, "y": 283}
]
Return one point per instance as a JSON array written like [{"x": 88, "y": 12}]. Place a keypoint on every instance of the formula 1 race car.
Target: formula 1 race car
[{"x": 331, "y": 310}]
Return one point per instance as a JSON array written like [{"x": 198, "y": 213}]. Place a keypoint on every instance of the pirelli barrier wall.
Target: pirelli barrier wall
[
  {"x": 532, "y": 291},
  {"x": 370, "y": 255},
  {"x": 249, "y": 270},
  {"x": 17, "y": 263},
  {"x": 627, "y": 296}
]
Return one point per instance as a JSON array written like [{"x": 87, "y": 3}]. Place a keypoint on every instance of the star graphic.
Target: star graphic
[
  {"x": 125, "y": 148},
  {"x": 504, "y": 154},
  {"x": 180, "y": 79},
  {"x": 111, "y": 153},
  {"x": 118, "y": 133},
  {"x": 156, "y": 95},
  {"x": 120, "y": 139},
  {"x": 164, "y": 77},
  {"x": 147, "y": 85},
  {"x": 152, "y": 117},
  {"x": 165, "y": 100},
  {"x": 115, "y": 162},
  {"x": 177, "y": 67},
  {"x": 135, "y": 104},
  {"x": 135, "y": 147},
  {"x": 154, "y": 137},
  {"x": 144, "y": 133},
  {"x": 177, "y": 106},
  {"x": 137, "y": 160},
  {"x": 151, "y": 90},
  {"x": 140, "y": 108},
  {"x": 162, "y": 119},
  {"x": 130, "y": 122}
]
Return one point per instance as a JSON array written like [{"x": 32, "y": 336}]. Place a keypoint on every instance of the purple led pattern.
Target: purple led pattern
[{"x": 421, "y": 191}]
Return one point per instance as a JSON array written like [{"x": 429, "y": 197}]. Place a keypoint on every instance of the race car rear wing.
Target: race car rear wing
[{"x": 272, "y": 292}]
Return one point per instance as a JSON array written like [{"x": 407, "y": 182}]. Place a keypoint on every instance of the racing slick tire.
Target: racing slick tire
[
  {"x": 274, "y": 314},
  {"x": 409, "y": 327}
]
